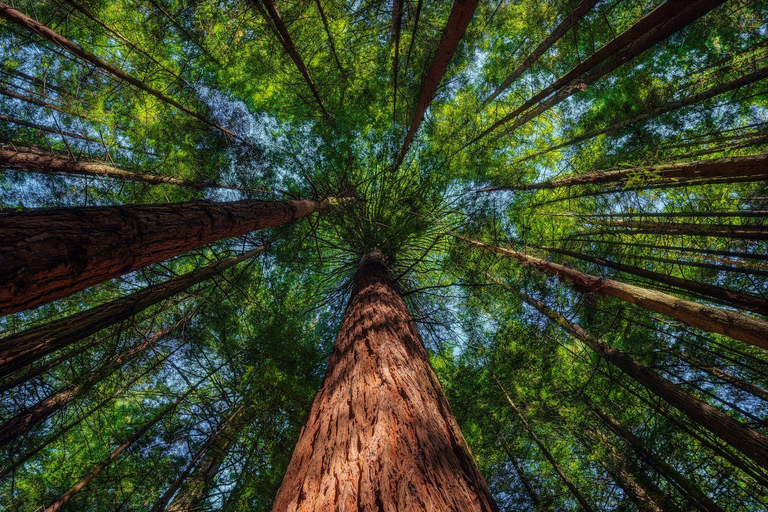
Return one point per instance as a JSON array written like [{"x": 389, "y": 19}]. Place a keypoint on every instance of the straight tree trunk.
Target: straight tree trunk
[
  {"x": 20, "y": 19},
  {"x": 731, "y": 167},
  {"x": 51, "y": 253},
  {"x": 535, "y": 498},
  {"x": 583, "y": 502},
  {"x": 49, "y": 163},
  {"x": 721, "y": 374},
  {"x": 735, "y": 325},
  {"x": 30, "y": 417},
  {"x": 565, "y": 25},
  {"x": 25, "y": 347},
  {"x": 677, "y": 248},
  {"x": 751, "y": 302},
  {"x": 458, "y": 20},
  {"x": 330, "y": 36},
  {"x": 651, "y": 29},
  {"x": 190, "y": 37},
  {"x": 738, "y": 232},
  {"x": 692, "y": 492},
  {"x": 397, "y": 23},
  {"x": 381, "y": 435},
  {"x": 749, "y": 442}
]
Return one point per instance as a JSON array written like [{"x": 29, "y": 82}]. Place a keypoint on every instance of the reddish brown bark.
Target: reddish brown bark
[
  {"x": 742, "y": 166},
  {"x": 570, "y": 20},
  {"x": 52, "y": 253},
  {"x": 458, "y": 20},
  {"x": 651, "y": 29},
  {"x": 735, "y": 325},
  {"x": 751, "y": 302},
  {"x": 49, "y": 163},
  {"x": 381, "y": 435},
  {"x": 20, "y": 349},
  {"x": 20, "y": 19}
]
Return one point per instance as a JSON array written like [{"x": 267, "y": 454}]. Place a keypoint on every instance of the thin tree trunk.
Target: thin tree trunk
[
  {"x": 692, "y": 492},
  {"x": 458, "y": 20},
  {"x": 49, "y": 163},
  {"x": 676, "y": 248},
  {"x": 565, "y": 25},
  {"x": 651, "y": 29},
  {"x": 272, "y": 17},
  {"x": 735, "y": 231},
  {"x": 721, "y": 374},
  {"x": 750, "y": 443},
  {"x": 583, "y": 502},
  {"x": 51, "y": 253},
  {"x": 711, "y": 266},
  {"x": 57, "y": 131},
  {"x": 710, "y": 93},
  {"x": 535, "y": 498},
  {"x": 20, "y": 349},
  {"x": 381, "y": 435},
  {"x": 751, "y": 302},
  {"x": 191, "y": 38},
  {"x": 28, "y": 23},
  {"x": 30, "y": 417},
  {"x": 397, "y": 23},
  {"x": 415, "y": 31},
  {"x": 731, "y": 167},
  {"x": 733, "y": 324},
  {"x": 330, "y": 36}
]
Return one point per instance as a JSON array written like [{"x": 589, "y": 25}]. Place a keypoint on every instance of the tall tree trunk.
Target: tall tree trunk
[
  {"x": 28, "y": 418},
  {"x": 381, "y": 435},
  {"x": 583, "y": 502},
  {"x": 569, "y": 21},
  {"x": 733, "y": 324},
  {"x": 271, "y": 15},
  {"x": 63, "y": 133},
  {"x": 651, "y": 29},
  {"x": 738, "y": 232},
  {"x": 677, "y": 248},
  {"x": 20, "y": 349},
  {"x": 397, "y": 23},
  {"x": 20, "y": 19},
  {"x": 51, "y": 253},
  {"x": 698, "y": 97},
  {"x": 458, "y": 20},
  {"x": 721, "y": 374},
  {"x": 749, "y": 442},
  {"x": 731, "y": 167},
  {"x": 535, "y": 498},
  {"x": 751, "y": 302},
  {"x": 330, "y": 36},
  {"x": 49, "y": 163},
  {"x": 692, "y": 492}
]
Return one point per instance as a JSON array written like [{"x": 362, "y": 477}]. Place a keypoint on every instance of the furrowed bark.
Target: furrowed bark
[
  {"x": 28, "y": 23},
  {"x": 739, "y": 232},
  {"x": 458, "y": 20},
  {"x": 569, "y": 21},
  {"x": 663, "y": 109},
  {"x": 700, "y": 500},
  {"x": 732, "y": 167},
  {"x": 749, "y": 442},
  {"x": 51, "y": 253},
  {"x": 27, "y": 419},
  {"x": 48, "y": 163},
  {"x": 583, "y": 502},
  {"x": 651, "y": 29},
  {"x": 272, "y": 16},
  {"x": 20, "y": 349},
  {"x": 751, "y": 302},
  {"x": 735, "y": 325},
  {"x": 381, "y": 435}
]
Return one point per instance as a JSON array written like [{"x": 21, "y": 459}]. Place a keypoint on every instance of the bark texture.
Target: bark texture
[
  {"x": 22, "y": 348},
  {"x": 381, "y": 435},
  {"x": 51, "y": 253},
  {"x": 735, "y": 325}
]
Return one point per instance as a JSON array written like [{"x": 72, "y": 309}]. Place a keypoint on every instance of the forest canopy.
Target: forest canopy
[{"x": 251, "y": 250}]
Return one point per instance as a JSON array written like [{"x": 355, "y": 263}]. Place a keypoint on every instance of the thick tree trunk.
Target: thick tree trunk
[
  {"x": 458, "y": 20},
  {"x": 49, "y": 254},
  {"x": 749, "y": 442},
  {"x": 27, "y": 419},
  {"x": 751, "y": 302},
  {"x": 738, "y": 232},
  {"x": 20, "y": 19},
  {"x": 732, "y": 167},
  {"x": 20, "y": 349},
  {"x": 651, "y": 29},
  {"x": 583, "y": 502},
  {"x": 381, "y": 435},
  {"x": 735, "y": 325},
  {"x": 49, "y": 163},
  {"x": 700, "y": 500},
  {"x": 569, "y": 21}
]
